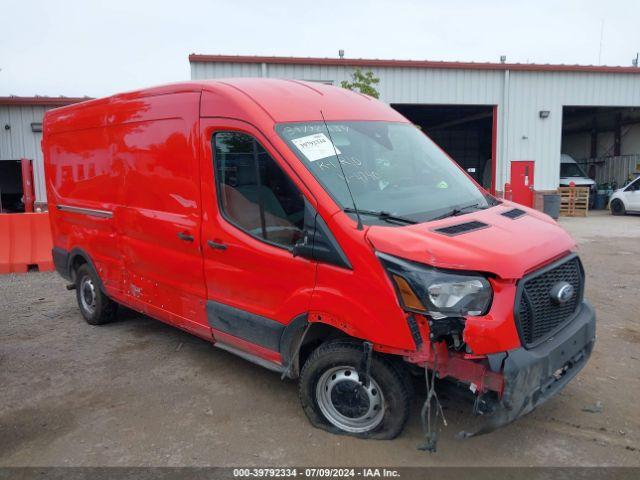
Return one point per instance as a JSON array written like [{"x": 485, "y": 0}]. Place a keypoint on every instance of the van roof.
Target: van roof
[{"x": 280, "y": 99}]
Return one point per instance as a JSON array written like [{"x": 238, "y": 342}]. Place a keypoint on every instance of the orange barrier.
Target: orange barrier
[{"x": 25, "y": 242}]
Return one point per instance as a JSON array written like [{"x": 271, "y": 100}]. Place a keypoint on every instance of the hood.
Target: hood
[
  {"x": 508, "y": 247},
  {"x": 565, "y": 181}
]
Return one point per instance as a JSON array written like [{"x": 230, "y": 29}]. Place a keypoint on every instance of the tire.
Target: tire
[
  {"x": 378, "y": 411},
  {"x": 617, "y": 207},
  {"x": 95, "y": 306}
]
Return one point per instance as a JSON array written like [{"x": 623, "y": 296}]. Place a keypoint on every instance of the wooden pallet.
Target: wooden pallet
[{"x": 574, "y": 201}]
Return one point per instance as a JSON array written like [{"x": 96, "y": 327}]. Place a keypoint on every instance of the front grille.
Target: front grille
[{"x": 537, "y": 315}]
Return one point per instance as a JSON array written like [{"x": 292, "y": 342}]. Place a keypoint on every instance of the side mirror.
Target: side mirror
[
  {"x": 304, "y": 247},
  {"x": 317, "y": 242}
]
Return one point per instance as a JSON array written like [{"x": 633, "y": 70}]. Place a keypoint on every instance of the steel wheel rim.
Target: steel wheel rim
[
  {"x": 88, "y": 295},
  {"x": 348, "y": 404}
]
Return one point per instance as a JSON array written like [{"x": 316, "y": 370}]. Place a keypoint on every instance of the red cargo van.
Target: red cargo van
[{"x": 316, "y": 232}]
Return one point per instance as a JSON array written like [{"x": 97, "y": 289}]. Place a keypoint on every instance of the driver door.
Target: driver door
[{"x": 252, "y": 216}]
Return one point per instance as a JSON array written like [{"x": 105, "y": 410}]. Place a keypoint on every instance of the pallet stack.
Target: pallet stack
[{"x": 574, "y": 201}]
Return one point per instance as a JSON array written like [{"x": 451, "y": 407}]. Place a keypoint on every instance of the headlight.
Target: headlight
[{"x": 437, "y": 293}]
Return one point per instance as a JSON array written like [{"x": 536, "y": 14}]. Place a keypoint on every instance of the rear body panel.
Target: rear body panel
[{"x": 121, "y": 186}]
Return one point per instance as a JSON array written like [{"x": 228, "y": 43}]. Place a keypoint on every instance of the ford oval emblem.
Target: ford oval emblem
[{"x": 562, "y": 292}]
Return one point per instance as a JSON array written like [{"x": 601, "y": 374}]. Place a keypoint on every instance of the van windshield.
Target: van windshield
[
  {"x": 390, "y": 167},
  {"x": 571, "y": 170}
]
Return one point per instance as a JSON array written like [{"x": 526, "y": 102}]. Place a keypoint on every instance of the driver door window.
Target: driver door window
[{"x": 254, "y": 193}]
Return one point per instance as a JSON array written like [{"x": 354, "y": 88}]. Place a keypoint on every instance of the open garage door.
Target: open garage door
[
  {"x": 465, "y": 132},
  {"x": 11, "y": 189},
  {"x": 16, "y": 186},
  {"x": 604, "y": 142}
]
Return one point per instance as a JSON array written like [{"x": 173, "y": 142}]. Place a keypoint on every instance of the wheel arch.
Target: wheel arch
[
  {"x": 79, "y": 257},
  {"x": 301, "y": 337}
]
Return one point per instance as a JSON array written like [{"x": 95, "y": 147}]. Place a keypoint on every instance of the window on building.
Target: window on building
[{"x": 253, "y": 191}]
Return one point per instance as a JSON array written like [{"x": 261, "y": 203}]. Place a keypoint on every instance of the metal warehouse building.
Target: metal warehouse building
[
  {"x": 20, "y": 136},
  {"x": 522, "y": 115},
  {"x": 504, "y": 123}
]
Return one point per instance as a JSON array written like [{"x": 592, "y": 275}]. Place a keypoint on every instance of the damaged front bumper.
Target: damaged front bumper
[{"x": 533, "y": 376}]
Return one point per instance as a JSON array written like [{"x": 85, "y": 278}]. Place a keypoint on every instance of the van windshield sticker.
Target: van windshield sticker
[{"x": 315, "y": 147}]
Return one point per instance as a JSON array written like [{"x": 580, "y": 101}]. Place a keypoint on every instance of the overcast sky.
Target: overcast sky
[{"x": 96, "y": 48}]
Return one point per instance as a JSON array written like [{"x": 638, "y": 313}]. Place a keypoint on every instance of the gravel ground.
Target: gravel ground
[{"x": 139, "y": 393}]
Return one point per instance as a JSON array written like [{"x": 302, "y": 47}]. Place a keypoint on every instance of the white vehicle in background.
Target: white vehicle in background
[
  {"x": 571, "y": 172},
  {"x": 626, "y": 199}
]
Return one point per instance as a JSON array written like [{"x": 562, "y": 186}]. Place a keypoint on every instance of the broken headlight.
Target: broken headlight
[{"x": 437, "y": 293}]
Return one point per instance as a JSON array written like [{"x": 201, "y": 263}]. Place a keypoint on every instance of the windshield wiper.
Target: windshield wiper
[
  {"x": 458, "y": 211},
  {"x": 382, "y": 215}
]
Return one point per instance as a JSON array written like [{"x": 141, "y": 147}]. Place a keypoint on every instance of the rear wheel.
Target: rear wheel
[
  {"x": 335, "y": 397},
  {"x": 617, "y": 207},
  {"x": 95, "y": 306}
]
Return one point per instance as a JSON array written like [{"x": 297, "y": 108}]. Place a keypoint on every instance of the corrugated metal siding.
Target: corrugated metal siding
[
  {"x": 397, "y": 85},
  {"x": 528, "y": 137},
  {"x": 522, "y": 134},
  {"x": 578, "y": 145},
  {"x": 613, "y": 169},
  {"x": 20, "y": 142},
  {"x": 200, "y": 71}
]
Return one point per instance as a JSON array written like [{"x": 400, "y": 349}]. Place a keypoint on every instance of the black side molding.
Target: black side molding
[
  {"x": 61, "y": 262},
  {"x": 261, "y": 331},
  {"x": 245, "y": 325},
  {"x": 290, "y": 339}
]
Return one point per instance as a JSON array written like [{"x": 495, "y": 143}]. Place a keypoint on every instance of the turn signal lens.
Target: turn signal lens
[{"x": 409, "y": 298}]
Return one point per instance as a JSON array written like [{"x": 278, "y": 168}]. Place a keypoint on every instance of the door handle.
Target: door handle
[
  {"x": 216, "y": 245},
  {"x": 185, "y": 236}
]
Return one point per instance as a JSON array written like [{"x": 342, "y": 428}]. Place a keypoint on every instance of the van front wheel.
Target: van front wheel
[
  {"x": 335, "y": 398},
  {"x": 95, "y": 306}
]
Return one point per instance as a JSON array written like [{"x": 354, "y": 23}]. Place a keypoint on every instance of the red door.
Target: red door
[
  {"x": 158, "y": 223},
  {"x": 255, "y": 286},
  {"x": 522, "y": 182}
]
